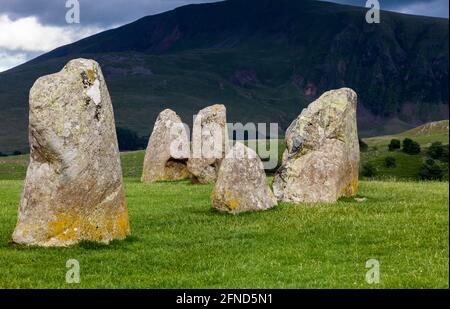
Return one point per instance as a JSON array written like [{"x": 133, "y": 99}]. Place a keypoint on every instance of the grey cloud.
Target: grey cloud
[
  {"x": 116, "y": 12},
  {"x": 100, "y": 13},
  {"x": 436, "y": 8}
]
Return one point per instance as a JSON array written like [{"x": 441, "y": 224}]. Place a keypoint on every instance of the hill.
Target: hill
[
  {"x": 426, "y": 134},
  {"x": 264, "y": 59},
  {"x": 408, "y": 166}
]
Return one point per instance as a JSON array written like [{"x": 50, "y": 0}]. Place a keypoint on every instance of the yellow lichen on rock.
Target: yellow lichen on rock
[
  {"x": 322, "y": 156},
  {"x": 74, "y": 187},
  {"x": 241, "y": 183}
]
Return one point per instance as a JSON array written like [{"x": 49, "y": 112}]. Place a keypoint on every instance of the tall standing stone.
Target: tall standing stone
[
  {"x": 73, "y": 189},
  {"x": 321, "y": 161},
  {"x": 241, "y": 185},
  {"x": 167, "y": 151},
  {"x": 209, "y": 143}
]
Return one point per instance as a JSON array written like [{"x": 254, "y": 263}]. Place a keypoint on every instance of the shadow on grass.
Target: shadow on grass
[
  {"x": 93, "y": 245},
  {"x": 358, "y": 199},
  {"x": 211, "y": 211},
  {"x": 84, "y": 244}
]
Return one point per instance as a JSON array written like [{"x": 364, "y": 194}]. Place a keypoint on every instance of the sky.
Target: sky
[{"x": 29, "y": 28}]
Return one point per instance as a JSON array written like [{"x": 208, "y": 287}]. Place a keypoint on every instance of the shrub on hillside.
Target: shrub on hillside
[
  {"x": 3, "y": 154},
  {"x": 369, "y": 170},
  {"x": 444, "y": 156},
  {"x": 431, "y": 171},
  {"x": 410, "y": 146},
  {"x": 394, "y": 145},
  {"x": 129, "y": 140},
  {"x": 438, "y": 151},
  {"x": 363, "y": 147},
  {"x": 16, "y": 153},
  {"x": 390, "y": 162}
]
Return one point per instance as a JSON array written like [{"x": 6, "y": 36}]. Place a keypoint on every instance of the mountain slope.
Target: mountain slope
[{"x": 264, "y": 59}]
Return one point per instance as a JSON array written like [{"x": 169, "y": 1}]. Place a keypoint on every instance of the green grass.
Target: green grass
[
  {"x": 178, "y": 241},
  {"x": 13, "y": 167}
]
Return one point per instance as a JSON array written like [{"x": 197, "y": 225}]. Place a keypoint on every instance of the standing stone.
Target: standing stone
[
  {"x": 167, "y": 151},
  {"x": 321, "y": 161},
  {"x": 73, "y": 189},
  {"x": 209, "y": 143},
  {"x": 242, "y": 184}
]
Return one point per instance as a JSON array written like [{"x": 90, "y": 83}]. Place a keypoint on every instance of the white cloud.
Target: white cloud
[
  {"x": 9, "y": 60},
  {"x": 23, "y": 37},
  {"x": 435, "y": 8},
  {"x": 28, "y": 34}
]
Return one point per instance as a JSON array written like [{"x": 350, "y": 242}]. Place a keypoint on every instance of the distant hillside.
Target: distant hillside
[
  {"x": 264, "y": 59},
  {"x": 425, "y": 134},
  {"x": 432, "y": 128},
  {"x": 408, "y": 166}
]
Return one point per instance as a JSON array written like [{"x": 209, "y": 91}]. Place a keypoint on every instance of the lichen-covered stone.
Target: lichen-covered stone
[
  {"x": 321, "y": 160},
  {"x": 209, "y": 143},
  {"x": 73, "y": 189},
  {"x": 241, "y": 185},
  {"x": 167, "y": 151}
]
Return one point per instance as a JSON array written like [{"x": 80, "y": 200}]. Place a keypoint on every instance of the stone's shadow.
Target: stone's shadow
[
  {"x": 93, "y": 245},
  {"x": 354, "y": 199},
  {"x": 84, "y": 244},
  {"x": 214, "y": 212}
]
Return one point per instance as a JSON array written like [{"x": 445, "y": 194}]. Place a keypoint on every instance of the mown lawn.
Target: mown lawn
[{"x": 179, "y": 241}]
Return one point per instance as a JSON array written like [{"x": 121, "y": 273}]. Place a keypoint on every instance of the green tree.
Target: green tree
[
  {"x": 444, "y": 156},
  {"x": 394, "y": 144},
  {"x": 390, "y": 162},
  {"x": 431, "y": 171},
  {"x": 436, "y": 150},
  {"x": 410, "y": 146},
  {"x": 363, "y": 147},
  {"x": 129, "y": 140},
  {"x": 369, "y": 170}
]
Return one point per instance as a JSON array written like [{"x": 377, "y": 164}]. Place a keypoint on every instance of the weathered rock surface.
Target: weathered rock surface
[
  {"x": 241, "y": 185},
  {"x": 322, "y": 152},
  {"x": 209, "y": 143},
  {"x": 167, "y": 151},
  {"x": 73, "y": 189}
]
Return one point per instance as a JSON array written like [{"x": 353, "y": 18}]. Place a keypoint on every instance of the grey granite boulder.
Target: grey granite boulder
[
  {"x": 241, "y": 185},
  {"x": 209, "y": 143},
  {"x": 321, "y": 160},
  {"x": 167, "y": 151},
  {"x": 73, "y": 189}
]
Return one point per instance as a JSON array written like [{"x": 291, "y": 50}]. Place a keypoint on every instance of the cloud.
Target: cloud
[
  {"x": 9, "y": 60},
  {"x": 28, "y": 34},
  {"x": 25, "y": 38},
  {"x": 102, "y": 13},
  {"x": 436, "y": 8}
]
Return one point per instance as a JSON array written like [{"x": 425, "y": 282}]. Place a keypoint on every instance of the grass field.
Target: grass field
[{"x": 179, "y": 241}]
